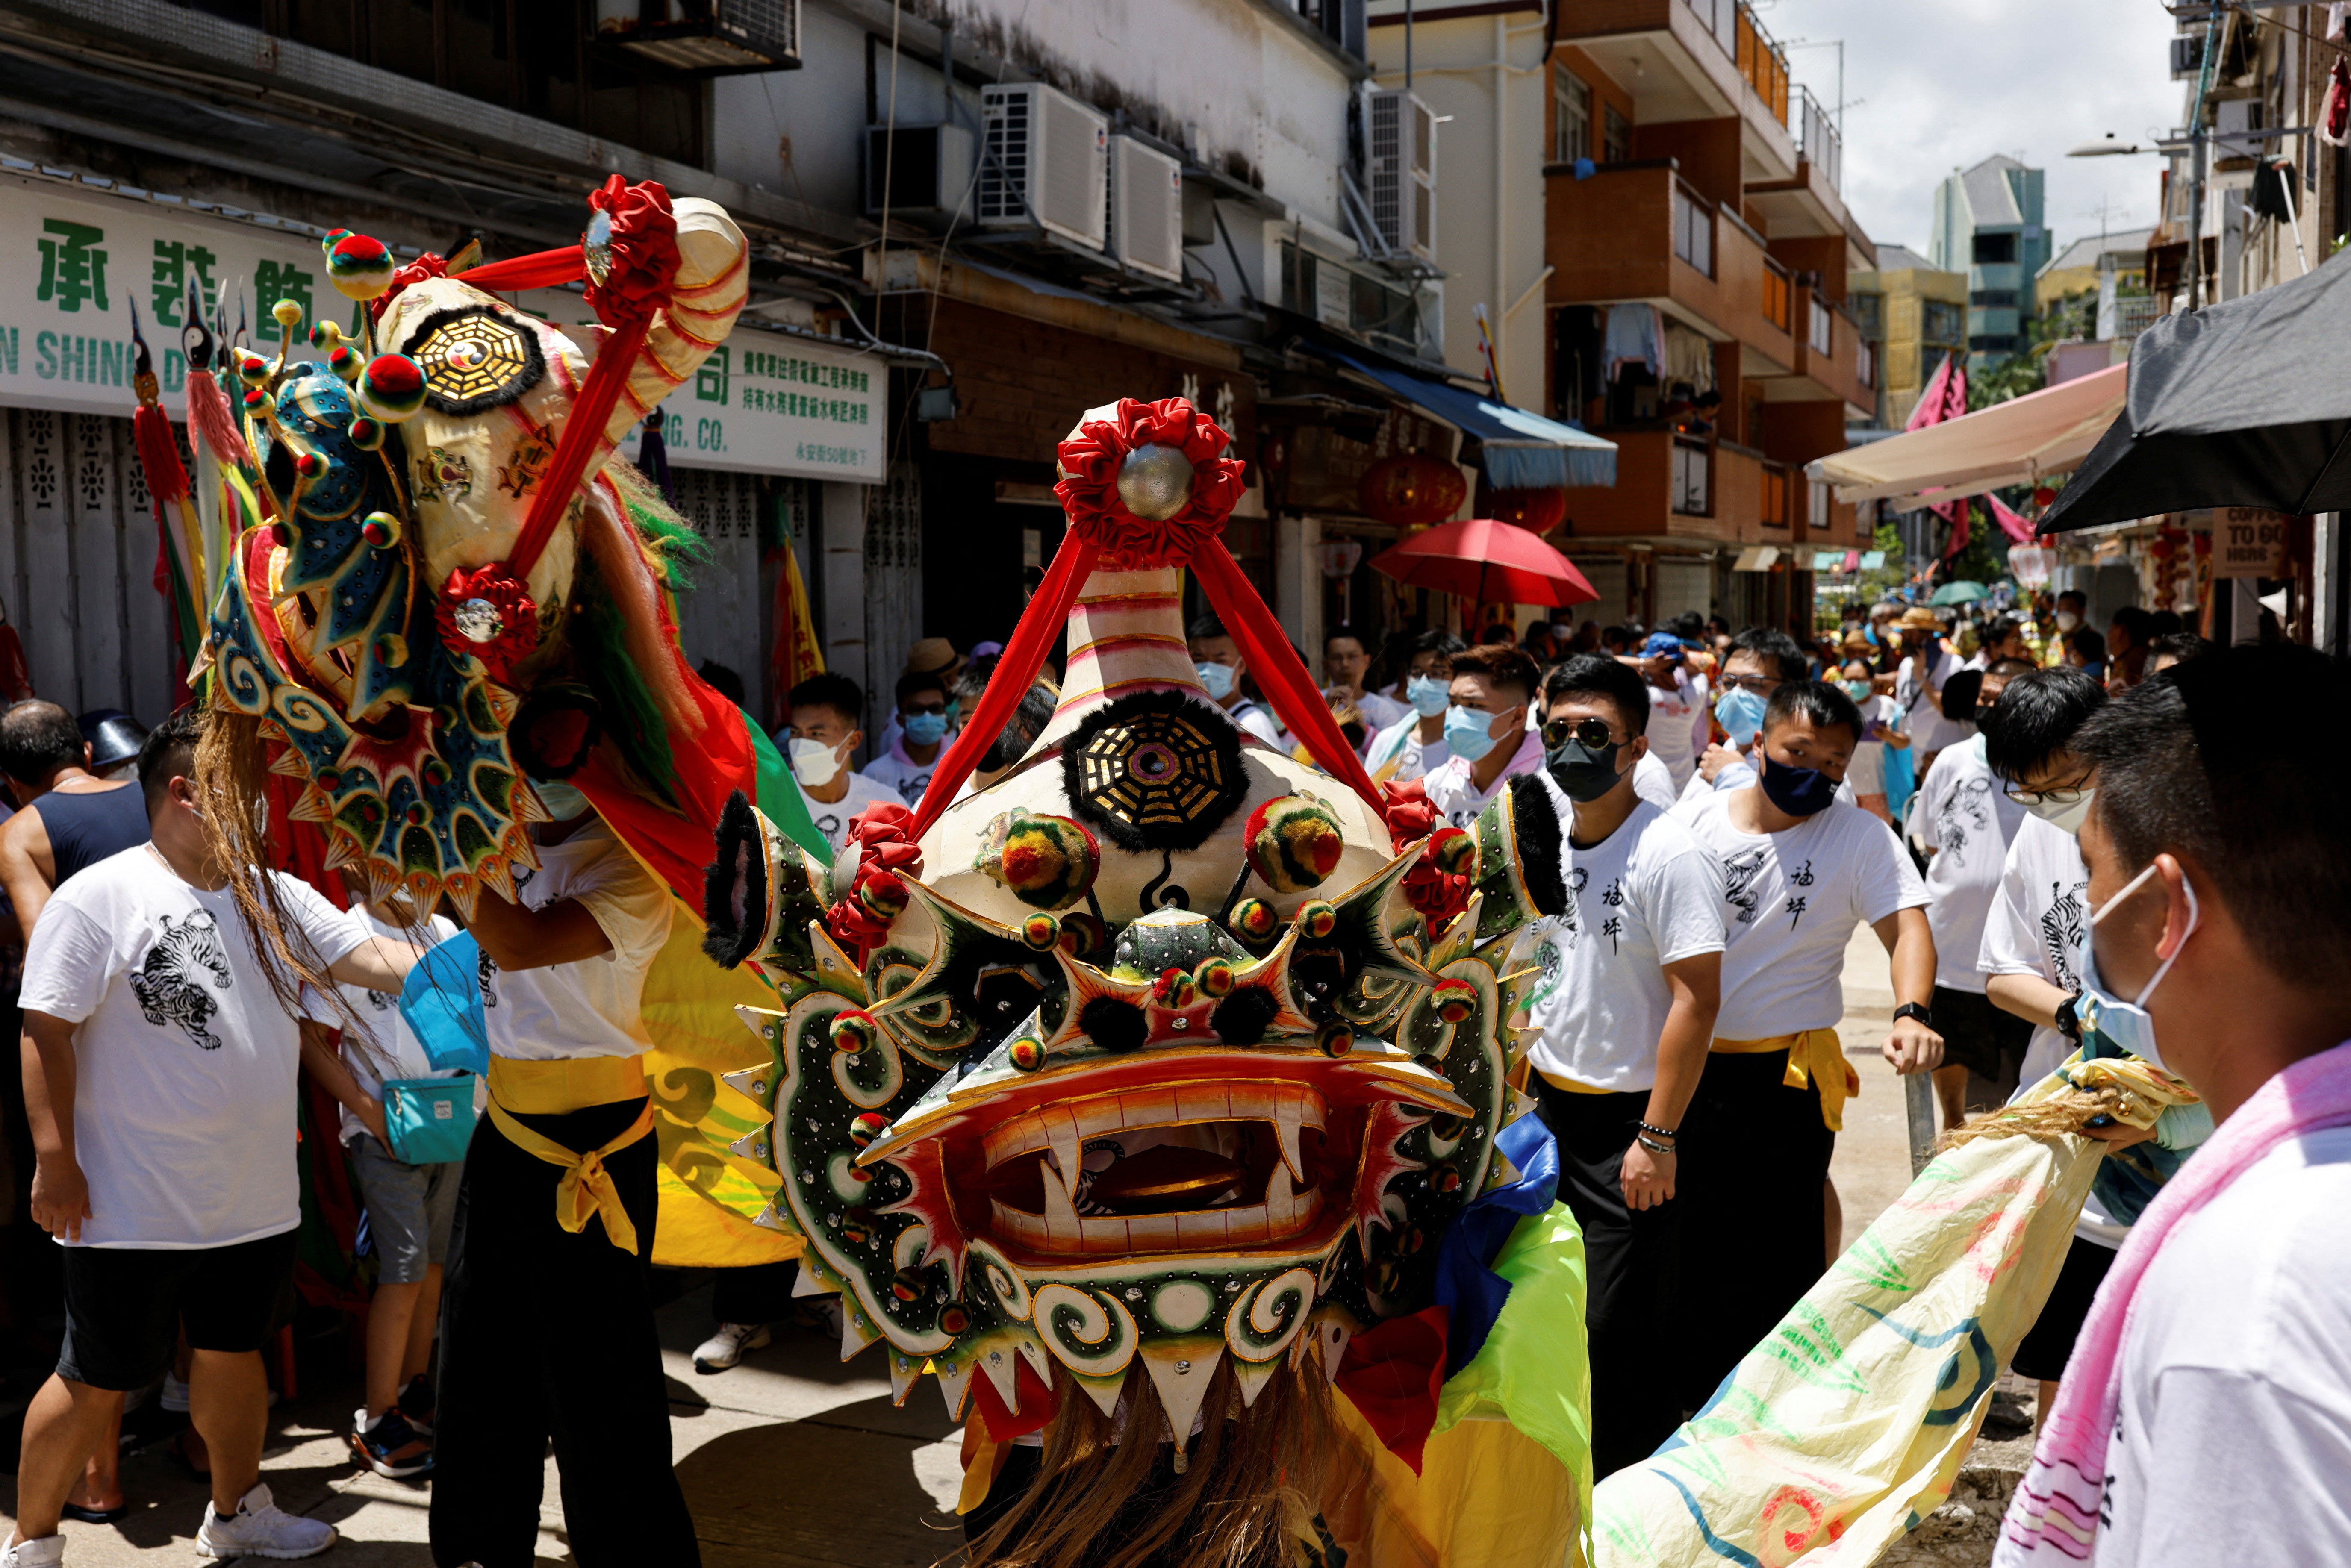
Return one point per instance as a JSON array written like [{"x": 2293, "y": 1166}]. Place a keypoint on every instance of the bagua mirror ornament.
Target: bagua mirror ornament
[{"x": 1144, "y": 1065}]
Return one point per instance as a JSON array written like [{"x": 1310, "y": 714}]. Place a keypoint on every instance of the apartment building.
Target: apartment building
[
  {"x": 1697, "y": 263},
  {"x": 1988, "y": 223},
  {"x": 1924, "y": 315}
]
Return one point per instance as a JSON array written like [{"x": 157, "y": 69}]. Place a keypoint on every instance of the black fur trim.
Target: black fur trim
[
  {"x": 510, "y": 387},
  {"x": 1243, "y": 1018},
  {"x": 734, "y": 888},
  {"x": 1210, "y": 759},
  {"x": 522, "y": 735},
  {"x": 1535, "y": 829},
  {"x": 1114, "y": 1023}
]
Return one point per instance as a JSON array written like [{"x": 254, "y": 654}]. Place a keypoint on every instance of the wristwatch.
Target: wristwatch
[
  {"x": 1913, "y": 1010},
  {"x": 2068, "y": 1024}
]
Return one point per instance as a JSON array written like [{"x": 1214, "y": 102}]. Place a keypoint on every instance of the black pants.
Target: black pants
[
  {"x": 1754, "y": 1153},
  {"x": 761, "y": 1293},
  {"x": 1633, "y": 1274},
  {"x": 546, "y": 1334}
]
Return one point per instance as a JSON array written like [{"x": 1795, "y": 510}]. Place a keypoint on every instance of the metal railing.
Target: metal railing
[
  {"x": 1817, "y": 141},
  {"x": 1763, "y": 63},
  {"x": 1693, "y": 477}
]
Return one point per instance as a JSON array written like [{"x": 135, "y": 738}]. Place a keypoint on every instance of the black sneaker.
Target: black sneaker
[
  {"x": 392, "y": 1449},
  {"x": 416, "y": 1403}
]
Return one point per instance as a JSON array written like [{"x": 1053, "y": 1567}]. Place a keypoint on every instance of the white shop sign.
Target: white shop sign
[
  {"x": 73, "y": 266},
  {"x": 2246, "y": 540}
]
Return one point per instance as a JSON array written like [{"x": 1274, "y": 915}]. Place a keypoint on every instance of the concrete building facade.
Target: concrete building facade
[{"x": 1988, "y": 223}]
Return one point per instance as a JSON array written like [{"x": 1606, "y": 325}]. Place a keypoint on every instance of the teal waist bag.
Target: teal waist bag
[{"x": 430, "y": 1120}]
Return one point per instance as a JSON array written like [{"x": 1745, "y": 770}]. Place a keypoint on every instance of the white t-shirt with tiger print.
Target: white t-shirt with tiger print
[{"x": 184, "y": 1061}]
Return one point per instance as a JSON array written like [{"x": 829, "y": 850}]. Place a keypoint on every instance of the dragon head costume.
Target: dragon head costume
[{"x": 1158, "y": 1070}]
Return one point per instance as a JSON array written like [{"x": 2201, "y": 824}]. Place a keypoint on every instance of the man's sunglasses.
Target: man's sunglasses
[{"x": 1591, "y": 734}]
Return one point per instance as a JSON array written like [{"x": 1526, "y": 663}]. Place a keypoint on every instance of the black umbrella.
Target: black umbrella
[{"x": 2244, "y": 405}]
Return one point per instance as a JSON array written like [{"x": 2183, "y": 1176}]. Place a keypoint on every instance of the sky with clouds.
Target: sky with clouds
[{"x": 1934, "y": 84}]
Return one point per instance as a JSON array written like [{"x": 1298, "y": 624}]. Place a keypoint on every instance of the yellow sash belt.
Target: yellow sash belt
[
  {"x": 1570, "y": 1084},
  {"x": 1815, "y": 1056},
  {"x": 556, "y": 1088}
]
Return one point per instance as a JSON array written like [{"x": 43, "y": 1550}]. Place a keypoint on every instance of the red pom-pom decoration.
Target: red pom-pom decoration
[
  {"x": 855, "y": 1032},
  {"x": 1455, "y": 1000},
  {"x": 1316, "y": 919},
  {"x": 391, "y": 388},
  {"x": 1040, "y": 932},
  {"x": 358, "y": 266},
  {"x": 866, "y": 1128},
  {"x": 1255, "y": 922},
  {"x": 1293, "y": 842},
  {"x": 1213, "y": 976},
  {"x": 1027, "y": 1053},
  {"x": 1335, "y": 1039}
]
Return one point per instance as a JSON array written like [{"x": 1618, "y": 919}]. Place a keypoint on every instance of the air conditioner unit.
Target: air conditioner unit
[
  {"x": 705, "y": 38},
  {"x": 1146, "y": 209},
  {"x": 1045, "y": 163},
  {"x": 928, "y": 171},
  {"x": 1404, "y": 173}
]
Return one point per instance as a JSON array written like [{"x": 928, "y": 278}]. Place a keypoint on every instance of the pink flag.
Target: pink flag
[
  {"x": 1946, "y": 396},
  {"x": 2012, "y": 523}
]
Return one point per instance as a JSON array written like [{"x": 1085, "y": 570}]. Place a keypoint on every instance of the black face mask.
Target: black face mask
[{"x": 1582, "y": 774}]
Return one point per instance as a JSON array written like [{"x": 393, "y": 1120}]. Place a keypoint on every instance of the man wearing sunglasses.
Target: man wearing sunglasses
[
  {"x": 1631, "y": 972},
  {"x": 1802, "y": 867}
]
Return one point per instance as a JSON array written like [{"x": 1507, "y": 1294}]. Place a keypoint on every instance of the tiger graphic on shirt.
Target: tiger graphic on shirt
[{"x": 169, "y": 982}]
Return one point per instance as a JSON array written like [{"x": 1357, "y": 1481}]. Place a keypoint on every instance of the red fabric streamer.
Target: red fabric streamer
[
  {"x": 644, "y": 252},
  {"x": 1297, "y": 700},
  {"x": 1393, "y": 1373},
  {"x": 1016, "y": 671},
  {"x": 1039, "y": 1404},
  {"x": 518, "y": 613},
  {"x": 540, "y": 269},
  {"x": 1091, "y": 460}
]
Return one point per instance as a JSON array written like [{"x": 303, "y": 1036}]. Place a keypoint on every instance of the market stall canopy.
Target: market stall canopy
[
  {"x": 2020, "y": 442},
  {"x": 2240, "y": 406},
  {"x": 1521, "y": 451},
  {"x": 1486, "y": 562}
]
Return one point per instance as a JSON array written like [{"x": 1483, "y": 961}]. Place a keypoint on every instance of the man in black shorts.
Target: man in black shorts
[{"x": 160, "y": 1080}]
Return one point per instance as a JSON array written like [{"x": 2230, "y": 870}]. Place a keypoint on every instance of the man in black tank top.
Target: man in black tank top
[{"x": 68, "y": 818}]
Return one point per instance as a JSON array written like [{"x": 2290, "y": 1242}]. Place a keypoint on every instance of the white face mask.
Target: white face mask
[
  {"x": 2127, "y": 1024},
  {"x": 2067, "y": 816},
  {"x": 814, "y": 763},
  {"x": 2067, "y": 621}
]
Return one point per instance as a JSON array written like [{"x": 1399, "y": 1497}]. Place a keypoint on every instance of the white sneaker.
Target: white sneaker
[
  {"x": 260, "y": 1529},
  {"x": 45, "y": 1553},
  {"x": 729, "y": 1346}
]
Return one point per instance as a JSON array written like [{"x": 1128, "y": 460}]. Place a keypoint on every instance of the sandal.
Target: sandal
[{"x": 95, "y": 1515}]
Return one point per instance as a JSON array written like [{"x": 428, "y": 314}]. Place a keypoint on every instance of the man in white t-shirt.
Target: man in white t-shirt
[
  {"x": 1486, "y": 731},
  {"x": 1414, "y": 745},
  {"x": 1623, "y": 1013},
  {"x": 160, "y": 1066},
  {"x": 826, "y": 713},
  {"x": 1801, "y": 870},
  {"x": 1675, "y": 706},
  {"x": 926, "y": 719},
  {"x": 555, "y": 1222},
  {"x": 1346, "y": 662},
  {"x": 2216, "y": 841},
  {"x": 1965, "y": 822},
  {"x": 1918, "y": 685},
  {"x": 2031, "y": 938},
  {"x": 1217, "y": 659}
]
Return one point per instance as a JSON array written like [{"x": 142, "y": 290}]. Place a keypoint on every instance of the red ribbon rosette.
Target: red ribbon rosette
[
  {"x": 1435, "y": 886},
  {"x": 642, "y": 250},
  {"x": 461, "y": 616},
  {"x": 417, "y": 271},
  {"x": 885, "y": 833},
  {"x": 1090, "y": 461}
]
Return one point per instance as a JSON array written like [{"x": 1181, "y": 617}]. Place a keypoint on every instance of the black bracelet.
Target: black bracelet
[
  {"x": 1652, "y": 1144},
  {"x": 1656, "y": 1132}
]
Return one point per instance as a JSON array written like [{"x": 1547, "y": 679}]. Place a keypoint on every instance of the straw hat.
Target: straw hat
[
  {"x": 1918, "y": 618},
  {"x": 934, "y": 656}
]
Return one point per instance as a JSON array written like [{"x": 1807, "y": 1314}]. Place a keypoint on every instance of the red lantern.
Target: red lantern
[
  {"x": 1411, "y": 491},
  {"x": 2042, "y": 495},
  {"x": 1537, "y": 511}
]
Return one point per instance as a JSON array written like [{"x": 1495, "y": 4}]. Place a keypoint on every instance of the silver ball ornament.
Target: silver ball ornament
[
  {"x": 1155, "y": 482},
  {"x": 478, "y": 620}
]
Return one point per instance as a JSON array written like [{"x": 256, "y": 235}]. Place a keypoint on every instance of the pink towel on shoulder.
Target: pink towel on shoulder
[{"x": 2054, "y": 1518}]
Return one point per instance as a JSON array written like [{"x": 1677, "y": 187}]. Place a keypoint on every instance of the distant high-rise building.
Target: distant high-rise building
[{"x": 1988, "y": 225}]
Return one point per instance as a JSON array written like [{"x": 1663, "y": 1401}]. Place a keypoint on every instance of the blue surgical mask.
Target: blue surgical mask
[
  {"x": 927, "y": 728},
  {"x": 1428, "y": 694},
  {"x": 1857, "y": 690},
  {"x": 1741, "y": 713},
  {"x": 1468, "y": 732},
  {"x": 562, "y": 802},
  {"x": 1217, "y": 678},
  {"x": 1799, "y": 791},
  {"x": 2126, "y": 1024}
]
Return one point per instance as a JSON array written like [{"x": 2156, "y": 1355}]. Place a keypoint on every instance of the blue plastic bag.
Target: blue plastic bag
[{"x": 443, "y": 1003}]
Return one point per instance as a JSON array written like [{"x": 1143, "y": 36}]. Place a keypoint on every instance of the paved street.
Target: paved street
[{"x": 793, "y": 1459}]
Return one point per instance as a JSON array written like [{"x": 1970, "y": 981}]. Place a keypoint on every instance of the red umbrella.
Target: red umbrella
[{"x": 1487, "y": 562}]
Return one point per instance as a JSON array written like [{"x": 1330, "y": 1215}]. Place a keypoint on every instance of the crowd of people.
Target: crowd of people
[{"x": 2064, "y": 842}]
